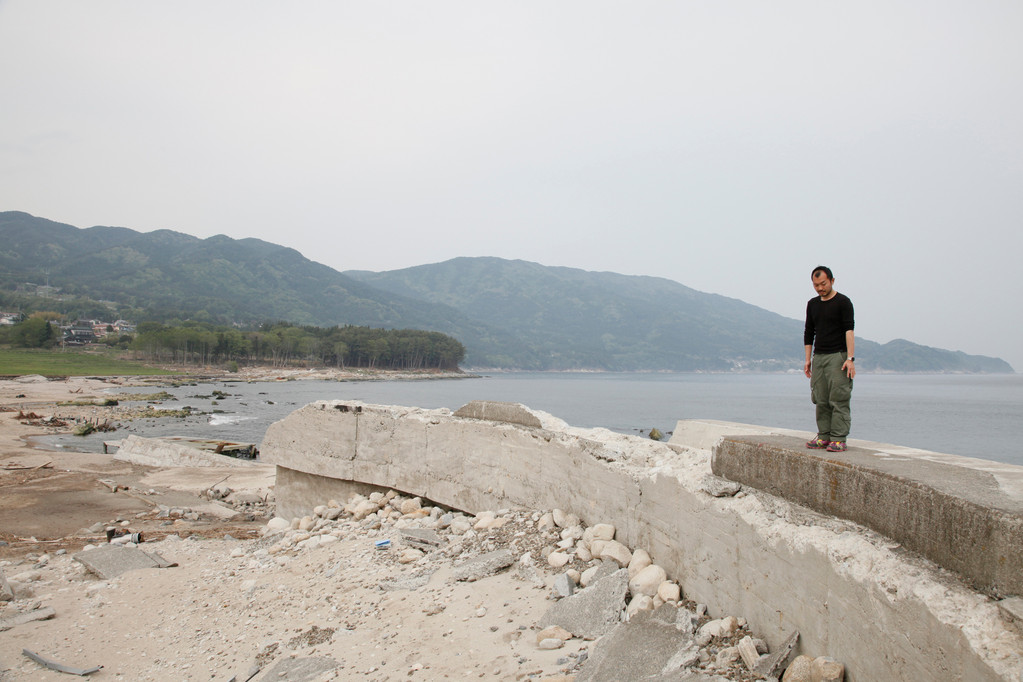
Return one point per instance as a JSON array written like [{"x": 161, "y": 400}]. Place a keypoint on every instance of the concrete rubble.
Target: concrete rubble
[
  {"x": 620, "y": 603},
  {"x": 622, "y": 613}
]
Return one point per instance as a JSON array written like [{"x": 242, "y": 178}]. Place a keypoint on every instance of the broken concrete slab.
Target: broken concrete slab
[
  {"x": 110, "y": 561},
  {"x": 592, "y": 612},
  {"x": 645, "y": 647},
  {"x": 483, "y": 566},
  {"x": 490, "y": 410},
  {"x": 411, "y": 583},
  {"x": 423, "y": 538},
  {"x": 773, "y": 664},
  {"x": 300, "y": 669},
  {"x": 27, "y": 617}
]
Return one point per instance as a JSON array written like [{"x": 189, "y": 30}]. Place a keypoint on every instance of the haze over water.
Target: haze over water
[{"x": 969, "y": 415}]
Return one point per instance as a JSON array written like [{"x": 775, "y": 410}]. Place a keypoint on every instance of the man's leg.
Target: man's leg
[
  {"x": 819, "y": 392},
  {"x": 839, "y": 396}
]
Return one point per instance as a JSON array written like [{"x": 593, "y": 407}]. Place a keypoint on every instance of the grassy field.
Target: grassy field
[{"x": 69, "y": 363}]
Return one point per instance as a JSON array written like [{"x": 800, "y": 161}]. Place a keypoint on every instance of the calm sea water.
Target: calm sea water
[{"x": 975, "y": 416}]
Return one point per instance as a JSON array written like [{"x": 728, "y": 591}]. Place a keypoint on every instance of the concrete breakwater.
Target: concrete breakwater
[{"x": 850, "y": 592}]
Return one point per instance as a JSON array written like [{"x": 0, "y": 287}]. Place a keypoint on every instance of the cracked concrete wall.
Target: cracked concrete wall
[{"x": 848, "y": 591}]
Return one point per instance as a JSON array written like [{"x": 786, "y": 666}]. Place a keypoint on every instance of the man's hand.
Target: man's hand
[
  {"x": 806, "y": 369},
  {"x": 850, "y": 368}
]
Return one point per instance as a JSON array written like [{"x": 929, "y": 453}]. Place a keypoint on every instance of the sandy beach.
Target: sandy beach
[
  {"x": 219, "y": 612},
  {"x": 229, "y": 597}
]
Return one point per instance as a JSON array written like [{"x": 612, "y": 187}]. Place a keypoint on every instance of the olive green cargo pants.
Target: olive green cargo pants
[{"x": 831, "y": 391}]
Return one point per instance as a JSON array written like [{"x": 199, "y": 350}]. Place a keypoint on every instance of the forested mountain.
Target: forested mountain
[
  {"x": 509, "y": 314},
  {"x": 166, "y": 276},
  {"x": 575, "y": 319},
  {"x": 578, "y": 319}
]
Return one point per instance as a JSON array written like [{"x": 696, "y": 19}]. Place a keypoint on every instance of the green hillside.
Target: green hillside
[{"x": 165, "y": 276}]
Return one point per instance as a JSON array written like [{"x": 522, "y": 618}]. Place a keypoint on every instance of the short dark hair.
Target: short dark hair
[{"x": 822, "y": 268}]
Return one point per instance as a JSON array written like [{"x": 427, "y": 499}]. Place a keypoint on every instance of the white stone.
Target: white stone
[
  {"x": 553, "y": 632},
  {"x": 603, "y": 531},
  {"x": 558, "y": 559},
  {"x": 824, "y": 669},
  {"x": 647, "y": 581},
  {"x": 669, "y": 591},
  {"x": 310, "y": 542},
  {"x": 799, "y": 670},
  {"x": 640, "y": 603},
  {"x": 616, "y": 551},
  {"x": 409, "y": 555},
  {"x": 483, "y": 520},
  {"x": 364, "y": 509},
  {"x": 460, "y": 526},
  {"x": 722, "y": 627},
  {"x": 640, "y": 560},
  {"x": 277, "y": 524},
  {"x": 411, "y": 506}
]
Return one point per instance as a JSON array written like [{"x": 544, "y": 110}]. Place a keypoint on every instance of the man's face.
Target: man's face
[{"x": 822, "y": 285}]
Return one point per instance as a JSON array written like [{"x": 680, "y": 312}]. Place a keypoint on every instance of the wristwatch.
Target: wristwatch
[{"x": 852, "y": 359}]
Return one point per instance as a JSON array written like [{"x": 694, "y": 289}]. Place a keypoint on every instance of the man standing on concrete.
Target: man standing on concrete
[{"x": 830, "y": 347}]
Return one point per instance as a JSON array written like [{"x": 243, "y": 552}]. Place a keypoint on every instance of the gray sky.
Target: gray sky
[{"x": 730, "y": 146}]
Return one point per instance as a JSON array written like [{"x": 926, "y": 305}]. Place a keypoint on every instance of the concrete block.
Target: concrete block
[
  {"x": 961, "y": 518},
  {"x": 110, "y": 561},
  {"x": 510, "y": 413},
  {"x": 782, "y": 566}
]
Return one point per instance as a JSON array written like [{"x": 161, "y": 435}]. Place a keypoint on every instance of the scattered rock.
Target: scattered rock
[
  {"x": 616, "y": 551},
  {"x": 484, "y": 566}
]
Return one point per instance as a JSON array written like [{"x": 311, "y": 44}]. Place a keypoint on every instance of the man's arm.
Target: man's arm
[
  {"x": 850, "y": 346},
  {"x": 809, "y": 332}
]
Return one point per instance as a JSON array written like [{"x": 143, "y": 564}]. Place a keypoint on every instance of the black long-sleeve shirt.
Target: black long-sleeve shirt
[{"x": 827, "y": 322}]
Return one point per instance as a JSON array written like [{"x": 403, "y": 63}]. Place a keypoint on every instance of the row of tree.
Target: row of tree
[
  {"x": 279, "y": 344},
  {"x": 282, "y": 344}
]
